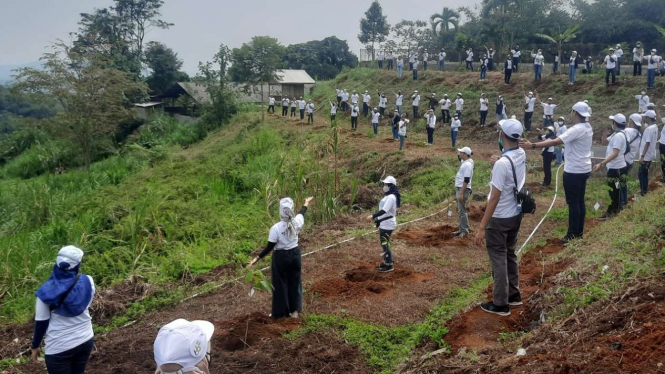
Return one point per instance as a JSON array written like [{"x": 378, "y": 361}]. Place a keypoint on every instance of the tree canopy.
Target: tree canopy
[
  {"x": 374, "y": 27},
  {"x": 322, "y": 59},
  {"x": 165, "y": 67}
]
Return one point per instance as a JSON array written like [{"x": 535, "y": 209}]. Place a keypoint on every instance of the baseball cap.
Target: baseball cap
[
  {"x": 416, "y": 91},
  {"x": 69, "y": 257},
  {"x": 583, "y": 109},
  {"x": 619, "y": 118},
  {"x": 551, "y": 128},
  {"x": 530, "y": 93},
  {"x": 635, "y": 117},
  {"x": 512, "y": 128},
  {"x": 650, "y": 114},
  {"x": 183, "y": 343},
  {"x": 466, "y": 150},
  {"x": 390, "y": 180}
]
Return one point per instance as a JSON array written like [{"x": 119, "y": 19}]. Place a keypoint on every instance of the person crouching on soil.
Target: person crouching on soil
[
  {"x": 463, "y": 189},
  {"x": 286, "y": 259},
  {"x": 385, "y": 219}
]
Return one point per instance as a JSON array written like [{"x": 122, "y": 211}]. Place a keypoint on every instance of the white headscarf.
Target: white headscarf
[{"x": 287, "y": 215}]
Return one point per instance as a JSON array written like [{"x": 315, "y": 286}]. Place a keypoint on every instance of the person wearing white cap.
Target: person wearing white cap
[
  {"x": 615, "y": 161},
  {"x": 463, "y": 190},
  {"x": 355, "y": 111},
  {"x": 433, "y": 101},
  {"x": 445, "y": 109},
  {"x": 577, "y": 169},
  {"x": 401, "y": 130},
  {"x": 647, "y": 152},
  {"x": 459, "y": 105},
  {"x": 500, "y": 109},
  {"x": 572, "y": 68},
  {"x": 286, "y": 259},
  {"x": 469, "y": 59},
  {"x": 400, "y": 66},
  {"x": 484, "y": 108},
  {"x": 333, "y": 112},
  {"x": 271, "y": 105},
  {"x": 183, "y": 347},
  {"x": 516, "y": 54},
  {"x": 62, "y": 315},
  {"x": 294, "y": 104},
  {"x": 399, "y": 100},
  {"x": 386, "y": 221},
  {"x": 383, "y": 102},
  {"x": 633, "y": 134},
  {"x": 529, "y": 106},
  {"x": 302, "y": 104},
  {"x": 412, "y": 59},
  {"x": 548, "y": 111},
  {"x": 653, "y": 61},
  {"x": 442, "y": 59},
  {"x": 366, "y": 101},
  {"x": 507, "y": 69},
  {"x": 425, "y": 59},
  {"x": 642, "y": 101},
  {"x": 618, "y": 52},
  {"x": 454, "y": 129},
  {"x": 285, "y": 106},
  {"x": 538, "y": 61},
  {"x": 484, "y": 62},
  {"x": 391, "y": 59},
  {"x": 345, "y": 100},
  {"x": 415, "y": 102},
  {"x": 379, "y": 59},
  {"x": 500, "y": 225},
  {"x": 548, "y": 155},
  {"x": 431, "y": 126},
  {"x": 559, "y": 149},
  {"x": 354, "y": 97},
  {"x": 610, "y": 67},
  {"x": 638, "y": 57},
  {"x": 376, "y": 116},
  {"x": 339, "y": 96},
  {"x": 661, "y": 149},
  {"x": 395, "y": 124},
  {"x": 310, "y": 112},
  {"x": 490, "y": 58},
  {"x": 415, "y": 70}
]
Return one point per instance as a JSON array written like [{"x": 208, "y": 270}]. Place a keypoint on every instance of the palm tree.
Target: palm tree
[
  {"x": 444, "y": 20},
  {"x": 561, "y": 38}
]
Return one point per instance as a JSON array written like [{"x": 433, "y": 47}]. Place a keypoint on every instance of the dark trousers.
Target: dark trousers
[
  {"x": 574, "y": 185},
  {"x": 271, "y": 109},
  {"x": 365, "y": 109},
  {"x": 555, "y": 67},
  {"x": 469, "y": 65},
  {"x": 615, "y": 179},
  {"x": 490, "y": 64},
  {"x": 390, "y": 64},
  {"x": 415, "y": 113},
  {"x": 382, "y": 110},
  {"x": 339, "y": 100},
  {"x": 384, "y": 236},
  {"x": 661, "y": 148},
  {"x": 547, "y": 167},
  {"x": 380, "y": 64},
  {"x": 516, "y": 62},
  {"x": 310, "y": 118},
  {"x": 501, "y": 239},
  {"x": 332, "y": 117},
  {"x": 285, "y": 110},
  {"x": 459, "y": 114},
  {"x": 430, "y": 135},
  {"x": 286, "y": 279},
  {"x": 354, "y": 123},
  {"x": 415, "y": 74},
  {"x": 508, "y": 74},
  {"x": 445, "y": 115},
  {"x": 527, "y": 120},
  {"x": 609, "y": 72},
  {"x": 637, "y": 68},
  {"x": 72, "y": 361},
  {"x": 483, "y": 117},
  {"x": 293, "y": 111},
  {"x": 302, "y": 114},
  {"x": 643, "y": 176},
  {"x": 624, "y": 187},
  {"x": 618, "y": 66},
  {"x": 375, "y": 127},
  {"x": 424, "y": 65}
]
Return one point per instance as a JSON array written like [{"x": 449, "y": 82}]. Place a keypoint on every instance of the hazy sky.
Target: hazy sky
[{"x": 29, "y": 26}]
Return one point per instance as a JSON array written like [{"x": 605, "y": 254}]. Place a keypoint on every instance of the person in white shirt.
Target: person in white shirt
[
  {"x": 616, "y": 164},
  {"x": 500, "y": 109},
  {"x": 379, "y": 59},
  {"x": 401, "y": 130},
  {"x": 484, "y": 108},
  {"x": 310, "y": 112},
  {"x": 294, "y": 104},
  {"x": 548, "y": 111},
  {"x": 501, "y": 223},
  {"x": 618, "y": 53},
  {"x": 647, "y": 152},
  {"x": 386, "y": 220},
  {"x": 538, "y": 61},
  {"x": 557, "y": 60},
  {"x": 463, "y": 180},
  {"x": 286, "y": 259},
  {"x": 572, "y": 68},
  {"x": 643, "y": 101},
  {"x": 610, "y": 67},
  {"x": 355, "y": 110},
  {"x": 345, "y": 101},
  {"x": 354, "y": 97},
  {"x": 391, "y": 59},
  {"x": 339, "y": 96},
  {"x": 400, "y": 66},
  {"x": 376, "y": 116},
  {"x": 459, "y": 105},
  {"x": 577, "y": 169},
  {"x": 469, "y": 59},
  {"x": 490, "y": 57},
  {"x": 302, "y": 104},
  {"x": 454, "y": 129},
  {"x": 638, "y": 57},
  {"x": 483, "y": 68},
  {"x": 529, "y": 106},
  {"x": 516, "y": 53},
  {"x": 184, "y": 347},
  {"x": 271, "y": 105},
  {"x": 548, "y": 155},
  {"x": 416, "y": 102},
  {"x": 431, "y": 126},
  {"x": 62, "y": 315},
  {"x": 425, "y": 58},
  {"x": 442, "y": 59},
  {"x": 366, "y": 103},
  {"x": 412, "y": 59},
  {"x": 285, "y": 106},
  {"x": 634, "y": 138},
  {"x": 415, "y": 70},
  {"x": 558, "y": 150},
  {"x": 333, "y": 112},
  {"x": 383, "y": 102},
  {"x": 399, "y": 100},
  {"x": 661, "y": 149},
  {"x": 508, "y": 69},
  {"x": 653, "y": 62},
  {"x": 445, "y": 109}
]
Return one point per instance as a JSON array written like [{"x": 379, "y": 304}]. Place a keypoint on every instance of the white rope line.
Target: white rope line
[{"x": 556, "y": 191}]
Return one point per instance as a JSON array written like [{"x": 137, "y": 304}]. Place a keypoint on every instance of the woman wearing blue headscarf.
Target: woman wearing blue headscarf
[
  {"x": 286, "y": 260},
  {"x": 62, "y": 315}
]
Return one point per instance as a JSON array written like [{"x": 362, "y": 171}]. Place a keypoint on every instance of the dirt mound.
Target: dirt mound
[
  {"x": 439, "y": 236},
  {"x": 111, "y": 301},
  {"x": 388, "y": 140},
  {"x": 655, "y": 184},
  {"x": 365, "y": 280},
  {"x": 247, "y": 331},
  {"x": 476, "y": 213}
]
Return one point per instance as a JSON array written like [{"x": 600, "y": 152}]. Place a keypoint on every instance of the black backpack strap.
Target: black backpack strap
[
  {"x": 512, "y": 166},
  {"x": 62, "y": 298}
]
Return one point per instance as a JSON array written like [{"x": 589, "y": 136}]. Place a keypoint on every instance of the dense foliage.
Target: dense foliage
[{"x": 322, "y": 59}]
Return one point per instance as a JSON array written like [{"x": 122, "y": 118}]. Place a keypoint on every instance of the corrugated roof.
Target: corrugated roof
[
  {"x": 289, "y": 76},
  {"x": 196, "y": 91}
]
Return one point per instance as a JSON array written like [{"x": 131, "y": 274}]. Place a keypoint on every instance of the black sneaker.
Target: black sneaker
[
  {"x": 491, "y": 308},
  {"x": 386, "y": 268},
  {"x": 377, "y": 267},
  {"x": 515, "y": 301}
]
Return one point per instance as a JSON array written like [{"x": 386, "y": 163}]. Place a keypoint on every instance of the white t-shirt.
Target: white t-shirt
[
  {"x": 634, "y": 142},
  {"x": 412, "y": 59},
  {"x": 546, "y": 149},
  {"x": 400, "y": 62},
  {"x": 354, "y": 111},
  {"x": 469, "y": 56},
  {"x": 354, "y": 99},
  {"x": 548, "y": 109},
  {"x": 65, "y": 333},
  {"x": 459, "y": 104},
  {"x": 333, "y": 109},
  {"x": 399, "y": 99},
  {"x": 416, "y": 100},
  {"x": 662, "y": 136},
  {"x": 653, "y": 62},
  {"x": 294, "y": 103},
  {"x": 415, "y": 65},
  {"x": 618, "y": 52},
  {"x": 271, "y": 101},
  {"x": 345, "y": 96},
  {"x": 642, "y": 102},
  {"x": 285, "y": 102},
  {"x": 637, "y": 54},
  {"x": 465, "y": 171},
  {"x": 608, "y": 63},
  {"x": 339, "y": 92},
  {"x": 379, "y": 56},
  {"x": 502, "y": 179},
  {"x": 431, "y": 120},
  {"x": 578, "y": 139},
  {"x": 389, "y": 205},
  {"x": 531, "y": 104},
  {"x": 562, "y": 129},
  {"x": 537, "y": 59},
  {"x": 445, "y": 104},
  {"x": 483, "y": 105},
  {"x": 278, "y": 235},
  {"x": 402, "y": 127},
  {"x": 455, "y": 125},
  {"x": 375, "y": 117},
  {"x": 650, "y": 135},
  {"x": 383, "y": 101},
  {"x": 517, "y": 54},
  {"x": 425, "y": 56},
  {"x": 310, "y": 108},
  {"x": 301, "y": 104},
  {"x": 617, "y": 141},
  {"x": 442, "y": 56},
  {"x": 366, "y": 98}
]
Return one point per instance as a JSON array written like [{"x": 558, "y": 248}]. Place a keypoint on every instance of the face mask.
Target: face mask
[
  {"x": 644, "y": 93},
  {"x": 386, "y": 188},
  {"x": 501, "y": 144},
  {"x": 561, "y": 123},
  {"x": 459, "y": 158}
]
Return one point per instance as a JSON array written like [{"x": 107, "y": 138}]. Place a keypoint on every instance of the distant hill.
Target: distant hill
[{"x": 7, "y": 71}]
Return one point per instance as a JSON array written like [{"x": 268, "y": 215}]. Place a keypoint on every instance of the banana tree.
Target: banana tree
[
  {"x": 660, "y": 29},
  {"x": 561, "y": 38}
]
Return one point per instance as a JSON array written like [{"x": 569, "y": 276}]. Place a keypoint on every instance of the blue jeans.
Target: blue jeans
[
  {"x": 538, "y": 71},
  {"x": 401, "y": 142},
  {"x": 415, "y": 74},
  {"x": 624, "y": 187},
  {"x": 643, "y": 176},
  {"x": 555, "y": 67},
  {"x": 430, "y": 135},
  {"x": 611, "y": 72},
  {"x": 441, "y": 65},
  {"x": 384, "y": 236},
  {"x": 400, "y": 68},
  {"x": 424, "y": 65},
  {"x": 651, "y": 78},
  {"x": 395, "y": 132},
  {"x": 453, "y": 137},
  {"x": 483, "y": 72},
  {"x": 399, "y": 109},
  {"x": 574, "y": 186},
  {"x": 571, "y": 73},
  {"x": 375, "y": 126},
  {"x": 558, "y": 153},
  {"x": 469, "y": 65},
  {"x": 72, "y": 361},
  {"x": 618, "y": 66},
  {"x": 459, "y": 114}
]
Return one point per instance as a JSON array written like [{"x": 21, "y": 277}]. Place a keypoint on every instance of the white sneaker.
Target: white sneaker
[{"x": 294, "y": 314}]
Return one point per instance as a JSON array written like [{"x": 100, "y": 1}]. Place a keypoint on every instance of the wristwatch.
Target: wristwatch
[{"x": 533, "y": 145}]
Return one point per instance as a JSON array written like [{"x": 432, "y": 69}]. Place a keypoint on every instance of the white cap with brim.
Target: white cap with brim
[
  {"x": 635, "y": 117},
  {"x": 651, "y": 114},
  {"x": 583, "y": 109},
  {"x": 550, "y": 128},
  {"x": 69, "y": 257},
  {"x": 512, "y": 128},
  {"x": 390, "y": 180},
  {"x": 466, "y": 150},
  {"x": 183, "y": 343},
  {"x": 619, "y": 118}
]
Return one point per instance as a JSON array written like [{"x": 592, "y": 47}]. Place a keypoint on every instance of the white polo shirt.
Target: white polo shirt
[
  {"x": 634, "y": 143},
  {"x": 459, "y": 104},
  {"x": 310, "y": 108},
  {"x": 402, "y": 127},
  {"x": 609, "y": 64},
  {"x": 537, "y": 59},
  {"x": 653, "y": 62},
  {"x": 399, "y": 99},
  {"x": 355, "y": 110},
  {"x": 642, "y": 102},
  {"x": 354, "y": 99},
  {"x": 502, "y": 180},
  {"x": 465, "y": 171},
  {"x": 442, "y": 56},
  {"x": 389, "y": 205},
  {"x": 366, "y": 98},
  {"x": 662, "y": 136},
  {"x": 455, "y": 125},
  {"x": 425, "y": 56},
  {"x": 445, "y": 104},
  {"x": 483, "y": 105},
  {"x": 469, "y": 56},
  {"x": 638, "y": 54},
  {"x": 301, "y": 104},
  {"x": 650, "y": 135},
  {"x": 383, "y": 101},
  {"x": 375, "y": 117},
  {"x": 617, "y": 141},
  {"x": 548, "y": 109},
  {"x": 416, "y": 100},
  {"x": 333, "y": 109},
  {"x": 578, "y": 139},
  {"x": 271, "y": 101},
  {"x": 618, "y": 52},
  {"x": 531, "y": 102}
]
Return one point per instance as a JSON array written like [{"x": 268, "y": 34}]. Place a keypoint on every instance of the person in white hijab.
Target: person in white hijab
[{"x": 286, "y": 259}]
